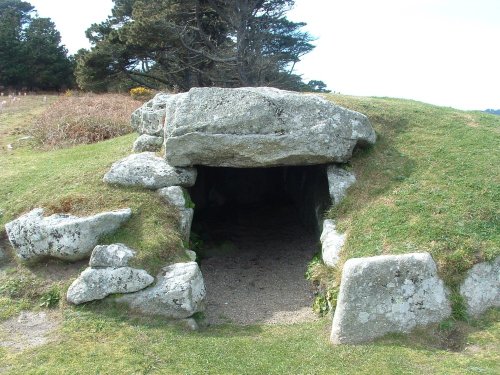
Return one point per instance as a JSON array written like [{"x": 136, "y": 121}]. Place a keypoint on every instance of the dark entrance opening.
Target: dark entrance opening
[{"x": 258, "y": 229}]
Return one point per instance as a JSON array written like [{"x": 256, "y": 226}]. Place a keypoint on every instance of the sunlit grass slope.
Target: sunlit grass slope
[{"x": 431, "y": 183}]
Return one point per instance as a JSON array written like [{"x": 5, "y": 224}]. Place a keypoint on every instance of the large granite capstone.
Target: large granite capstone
[{"x": 259, "y": 127}]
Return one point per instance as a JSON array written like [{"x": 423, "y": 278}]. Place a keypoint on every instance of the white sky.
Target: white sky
[{"x": 444, "y": 52}]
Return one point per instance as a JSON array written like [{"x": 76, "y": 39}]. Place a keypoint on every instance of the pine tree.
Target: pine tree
[
  {"x": 186, "y": 43},
  {"x": 31, "y": 55}
]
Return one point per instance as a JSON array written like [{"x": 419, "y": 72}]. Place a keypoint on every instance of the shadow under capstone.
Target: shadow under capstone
[{"x": 258, "y": 231}]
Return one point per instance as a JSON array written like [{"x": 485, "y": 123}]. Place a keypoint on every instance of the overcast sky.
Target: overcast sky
[{"x": 444, "y": 52}]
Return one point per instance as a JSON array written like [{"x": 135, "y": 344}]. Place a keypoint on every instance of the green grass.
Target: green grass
[
  {"x": 107, "y": 342},
  {"x": 71, "y": 180},
  {"x": 430, "y": 184}
]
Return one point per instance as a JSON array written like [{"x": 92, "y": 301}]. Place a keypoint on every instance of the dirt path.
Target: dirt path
[
  {"x": 29, "y": 329},
  {"x": 257, "y": 274}
]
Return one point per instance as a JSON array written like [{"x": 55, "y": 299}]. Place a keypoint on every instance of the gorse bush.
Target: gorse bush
[
  {"x": 141, "y": 93},
  {"x": 83, "y": 119}
]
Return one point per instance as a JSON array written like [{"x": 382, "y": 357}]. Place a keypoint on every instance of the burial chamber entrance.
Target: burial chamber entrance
[{"x": 256, "y": 230}]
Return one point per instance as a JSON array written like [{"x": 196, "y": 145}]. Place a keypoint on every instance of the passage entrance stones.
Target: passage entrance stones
[
  {"x": 149, "y": 171},
  {"x": 389, "y": 293},
  {"x": 239, "y": 128},
  {"x": 108, "y": 273}
]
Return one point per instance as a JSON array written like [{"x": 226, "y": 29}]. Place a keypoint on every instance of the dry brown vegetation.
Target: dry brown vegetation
[{"x": 86, "y": 118}]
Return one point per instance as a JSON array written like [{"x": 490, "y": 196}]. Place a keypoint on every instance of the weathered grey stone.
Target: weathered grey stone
[
  {"x": 339, "y": 180},
  {"x": 61, "y": 236},
  {"x": 147, "y": 142},
  {"x": 173, "y": 195},
  {"x": 25, "y": 139},
  {"x": 191, "y": 254},
  {"x": 388, "y": 293},
  {"x": 115, "y": 255},
  {"x": 179, "y": 293},
  {"x": 98, "y": 283},
  {"x": 185, "y": 221},
  {"x": 481, "y": 288},
  {"x": 331, "y": 243},
  {"x": 191, "y": 324},
  {"x": 149, "y": 171},
  {"x": 149, "y": 118},
  {"x": 259, "y": 127}
]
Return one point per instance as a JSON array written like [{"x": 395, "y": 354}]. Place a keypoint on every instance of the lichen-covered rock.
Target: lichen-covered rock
[
  {"x": 178, "y": 293},
  {"x": 481, "y": 288},
  {"x": 149, "y": 118},
  {"x": 259, "y": 127},
  {"x": 61, "y": 236},
  {"x": 191, "y": 255},
  {"x": 388, "y": 293},
  {"x": 115, "y": 255},
  {"x": 339, "y": 180},
  {"x": 147, "y": 142},
  {"x": 191, "y": 324},
  {"x": 149, "y": 171},
  {"x": 185, "y": 221},
  {"x": 98, "y": 283},
  {"x": 331, "y": 243},
  {"x": 173, "y": 195}
]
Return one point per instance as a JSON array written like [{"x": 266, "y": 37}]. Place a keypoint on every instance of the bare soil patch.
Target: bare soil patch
[
  {"x": 254, "y": 265},
  {"x": 29, "y": 329}
]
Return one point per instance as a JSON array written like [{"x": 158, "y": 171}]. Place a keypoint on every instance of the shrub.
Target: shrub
[
  {"x": 141, "y": 93},
  {"x": 326, "y": 285},
  {"x": 51, "y": 298},
  {"x": 78, "y": 119}
]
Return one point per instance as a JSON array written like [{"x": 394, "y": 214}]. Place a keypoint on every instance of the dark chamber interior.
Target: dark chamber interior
[
  {"x": 258, "y": 231},
  {"x": 224, "y": 197}
]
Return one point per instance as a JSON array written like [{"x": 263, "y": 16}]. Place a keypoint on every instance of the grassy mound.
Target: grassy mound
[{"x": 429, "y": 184}]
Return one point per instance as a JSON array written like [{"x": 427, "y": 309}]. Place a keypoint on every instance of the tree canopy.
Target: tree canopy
[
  {"x": 31, "y": 54},
  {"x": 181, "y": 44}
]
